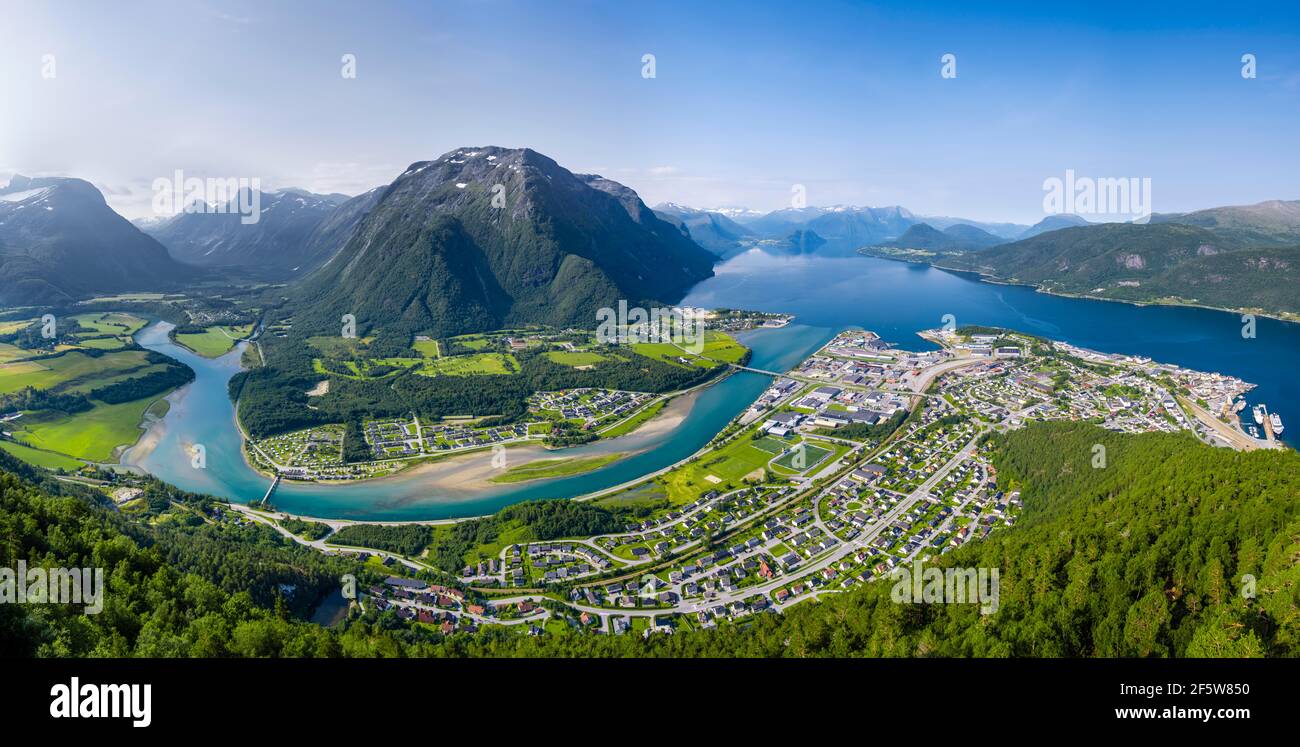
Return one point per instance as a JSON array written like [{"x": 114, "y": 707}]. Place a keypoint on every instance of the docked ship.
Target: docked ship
[
  {"x": 1260, "y": 413},
  {"x": 1276, "y": 422}
]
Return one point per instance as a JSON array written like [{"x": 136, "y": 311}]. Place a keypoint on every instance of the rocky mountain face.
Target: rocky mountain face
[
  {"x": 481, "y": 238},
  {"x": 711, "y": 230},
  {"x": 60, "y": 241},
  {"x": 285, "y": 242}
]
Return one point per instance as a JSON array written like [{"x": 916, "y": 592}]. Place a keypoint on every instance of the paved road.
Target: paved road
[{"x": 844, "y": 549}]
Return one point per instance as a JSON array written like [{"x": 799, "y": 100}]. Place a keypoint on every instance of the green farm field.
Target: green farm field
[
  {"x": 578, "y": 358},
  {"x": 470, "y": 365},
  {"x": 89, "y": 435},
  {"x": 36, "y": 457},
  {"x": 71, "y": 367},
  {"x": 718, "y": 348},
  {"x": 427, "y": 348},
  {"x": 111, "y": 323},
  {"x": 214, "y": 342}
]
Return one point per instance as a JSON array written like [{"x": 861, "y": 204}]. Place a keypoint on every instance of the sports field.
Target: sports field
[
  {"x": 802, "y": 458},
  {"x": 719, "y": 470},
  {"x": 771, "y": 445}
]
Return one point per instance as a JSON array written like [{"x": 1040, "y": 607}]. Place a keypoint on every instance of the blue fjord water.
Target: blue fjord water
[{"x": 826, "y": 294}]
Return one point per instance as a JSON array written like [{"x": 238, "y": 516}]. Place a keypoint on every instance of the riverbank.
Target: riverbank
[
  {"x": 654, "y": 419},
  {"x": 897, "y": 299}
]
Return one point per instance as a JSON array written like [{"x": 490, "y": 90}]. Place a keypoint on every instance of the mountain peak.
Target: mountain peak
[
  {"x": 441, "y": 253},
  {"x": 17, "y": 182},
  {"x": 61, "y": 241}
]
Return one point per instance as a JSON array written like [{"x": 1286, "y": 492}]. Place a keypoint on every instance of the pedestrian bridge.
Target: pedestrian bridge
[{"x": 274, "y": 484}]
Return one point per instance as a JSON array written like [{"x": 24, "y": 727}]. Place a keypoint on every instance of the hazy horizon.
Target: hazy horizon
[{"x": 747, "y": 101}]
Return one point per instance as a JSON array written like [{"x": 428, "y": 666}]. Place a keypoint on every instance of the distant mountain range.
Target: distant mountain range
[
  {"x": 60, "y": 241},
  {"x": 435, "y": 252},
  {"x": 957, "y": 237},
  {"x": 296, "y": 232},
  {"x": 1240, "y": 257},
  {"x": 712, "y": 230},
  {"x": 843, "y": 228},
  {"x": 1052, "y": 223},
  {"x": 480, "y": 238},
  {"x": 840, "y": 230}
]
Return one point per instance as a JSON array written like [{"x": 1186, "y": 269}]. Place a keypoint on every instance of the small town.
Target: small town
[{"x": 831, "y": 504}]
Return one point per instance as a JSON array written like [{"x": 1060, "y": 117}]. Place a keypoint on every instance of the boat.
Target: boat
[
  {"x": 1253, "y": 431},
  {"x": 1260, "y": 412},
  {"x": 1276, "y": 422}
]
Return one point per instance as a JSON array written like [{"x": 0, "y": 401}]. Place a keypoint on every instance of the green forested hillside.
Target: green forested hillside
[
  {"x": 1085, "y": 257},
  {"x": 178, "y": 587},
  {"x": 1268, "y": 223},
  {"x": 1265, "y": 279},
  {"x": 1143, "y": 558},
  {"x": 952, "y": 239},
  {"x": 1155, "y": 262},
  {"x": 1146, "y": 557}
]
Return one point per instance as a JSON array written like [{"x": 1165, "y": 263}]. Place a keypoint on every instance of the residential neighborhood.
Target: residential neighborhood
[{"x": 796, "y": 500}]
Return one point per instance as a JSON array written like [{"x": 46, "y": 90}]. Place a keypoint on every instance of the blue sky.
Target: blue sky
[{"x": 749, "y": 98}]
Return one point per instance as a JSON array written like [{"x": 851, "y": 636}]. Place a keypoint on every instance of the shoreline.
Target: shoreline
[
  {"x": 1281, "y": 316},
  {"x": 450, "y": 471},
  {"x": 585, "y": 497},
  {"x": 657, "y": 421},
  {"x": 427, "y": 462},
  {"x": 466, "y": 472}
]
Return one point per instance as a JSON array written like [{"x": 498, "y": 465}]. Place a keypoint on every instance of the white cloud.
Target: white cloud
[{"x": 346, "y": 177}]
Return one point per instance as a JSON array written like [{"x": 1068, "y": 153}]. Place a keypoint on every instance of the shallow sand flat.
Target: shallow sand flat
[
  {"x": 154, "y": 430},
  {"x": 468, "y": 474}
]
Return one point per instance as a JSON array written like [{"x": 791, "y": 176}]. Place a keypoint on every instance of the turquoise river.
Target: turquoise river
[{"x": 826, "y": 294}]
